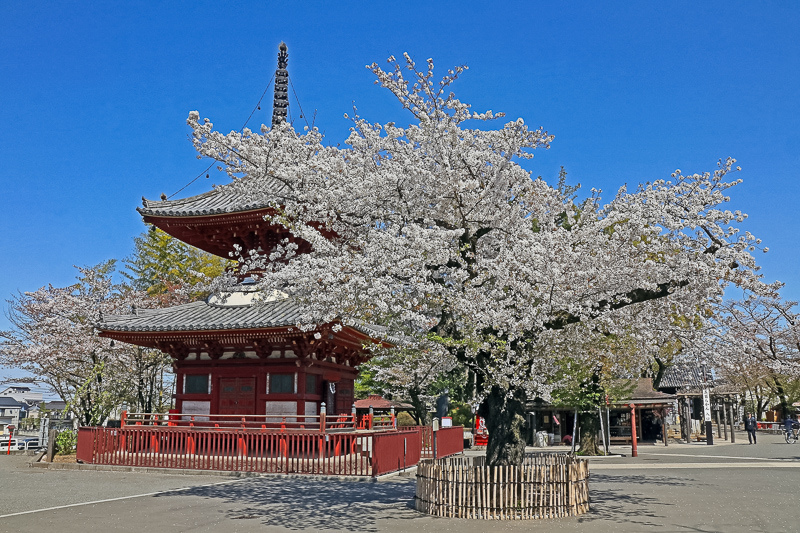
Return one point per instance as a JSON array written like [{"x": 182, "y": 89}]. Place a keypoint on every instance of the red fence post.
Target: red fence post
[{"x": 86, "y": 446}]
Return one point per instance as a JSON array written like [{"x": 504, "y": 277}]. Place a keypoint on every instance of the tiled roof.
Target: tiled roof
[
  {"x": 198, "y": 316},
  {"x": 644, "y": 392},
  {"x": 204, "y": 316},
  {"x": 223, "y": 199},
  {"x": 684, "y": 377},
  {"x": 379, "y": 402},
  {"x": 5, "y": 401}
]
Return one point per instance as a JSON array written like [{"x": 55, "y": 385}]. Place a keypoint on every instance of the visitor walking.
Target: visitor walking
[{"x": 750, "y": 425}]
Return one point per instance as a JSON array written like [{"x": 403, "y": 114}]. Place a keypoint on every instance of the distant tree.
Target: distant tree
[
  {"x": 167, "y": 268},
  {"x": 55, "y": 340},
  {"x": 757, "y": 340},
  {"x": 150, "y": 379},
  {"x": 416, "y": 375}
]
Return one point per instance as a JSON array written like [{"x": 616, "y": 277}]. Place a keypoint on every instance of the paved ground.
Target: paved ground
[{"x": 680, "y": 488}]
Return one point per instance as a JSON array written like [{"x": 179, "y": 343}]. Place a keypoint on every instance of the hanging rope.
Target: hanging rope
[
  {"x": 256, "y": 108},
  {"x": 195, "y": 179},
  {"x": 302, "y": 115},
  {"x": 258, "y": 105}
]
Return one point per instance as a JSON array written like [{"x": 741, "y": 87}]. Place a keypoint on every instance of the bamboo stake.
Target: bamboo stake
[
  {"x": 495, "y": 482},
  {"x": 450, "y": 491},
  {"x": 502, "y": 489}
]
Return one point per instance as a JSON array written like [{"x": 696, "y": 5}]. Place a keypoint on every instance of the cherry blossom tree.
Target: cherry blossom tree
[
  {"x": 757, "y": 344},
  {"x": 438, "y": 232},
  {"x": 54, "y": 339},
  {"x": 414, "y": 374}
]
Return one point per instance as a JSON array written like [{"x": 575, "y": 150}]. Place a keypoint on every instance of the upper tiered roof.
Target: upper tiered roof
[
  {"x": 219, "y": 201},
  {"x": 219, "y": 220}
]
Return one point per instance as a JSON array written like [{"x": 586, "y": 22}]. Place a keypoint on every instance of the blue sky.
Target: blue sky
[{"x": 93, "y": 101}]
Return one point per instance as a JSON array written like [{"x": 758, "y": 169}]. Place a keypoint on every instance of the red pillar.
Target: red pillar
[
  {"x": 10, "y": 436},
  {"x": 634, "y": 449}
]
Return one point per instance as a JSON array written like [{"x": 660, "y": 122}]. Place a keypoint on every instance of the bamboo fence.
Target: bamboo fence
[{"x": 544, "y": 486}]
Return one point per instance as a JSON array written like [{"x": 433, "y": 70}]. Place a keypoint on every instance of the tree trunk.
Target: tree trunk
[
  {"x": 662, "y": 368},
  {"x": 784, "y": 401},
  {"x": 420, "y": 409},
  {"x": 590, "y": 429},
  {"x": 504, "y": 412}
]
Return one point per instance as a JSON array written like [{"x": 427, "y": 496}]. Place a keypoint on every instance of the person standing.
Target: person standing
[{"x": 750, "y": 425}]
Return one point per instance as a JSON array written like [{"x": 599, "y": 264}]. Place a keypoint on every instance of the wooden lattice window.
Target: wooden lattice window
[
  {"x": 195, "y": 384},
  {"x": 281, "y": 384}
]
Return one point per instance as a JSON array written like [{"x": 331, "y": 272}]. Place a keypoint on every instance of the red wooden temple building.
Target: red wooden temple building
[
  {"x": 242, "y": 353},
  {"x": 240, "y": 356}
]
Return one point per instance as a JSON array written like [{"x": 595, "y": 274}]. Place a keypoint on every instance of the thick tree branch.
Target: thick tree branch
[{"x": 619, "y": 301}]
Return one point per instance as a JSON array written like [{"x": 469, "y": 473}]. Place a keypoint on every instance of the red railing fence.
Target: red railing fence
[
  {"x": 284, "y": 451},
  {"x": 395, "y": 451}
]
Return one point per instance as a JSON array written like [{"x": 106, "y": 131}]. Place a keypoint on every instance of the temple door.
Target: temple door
[{"x": 237, "y": 396}]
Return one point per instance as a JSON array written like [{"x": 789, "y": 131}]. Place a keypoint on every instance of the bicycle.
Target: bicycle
[{"x": 791, "y": 435}]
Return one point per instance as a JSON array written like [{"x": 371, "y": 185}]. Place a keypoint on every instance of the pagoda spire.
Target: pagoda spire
[{"x": 280, "y": 104}]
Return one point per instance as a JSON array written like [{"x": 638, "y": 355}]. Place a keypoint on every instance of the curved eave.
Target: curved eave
[
  {"x": 218, "y": 233},
  {"x": 200, "y": 214},
  {"x": 221, "y": 200},
  {"x": 152, "y": 337}
]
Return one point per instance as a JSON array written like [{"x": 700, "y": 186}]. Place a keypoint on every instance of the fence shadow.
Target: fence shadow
[
  {"x": 617, "y": 498},
  {"x": 309, "y": 505}
]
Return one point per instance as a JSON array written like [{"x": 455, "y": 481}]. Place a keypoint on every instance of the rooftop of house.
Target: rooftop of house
[
  {"x": 378, "y": 402},
  {"x": 14, "y": 389}
]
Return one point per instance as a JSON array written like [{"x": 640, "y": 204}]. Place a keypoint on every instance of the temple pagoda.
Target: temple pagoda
[{"x": 241, "y": 352}]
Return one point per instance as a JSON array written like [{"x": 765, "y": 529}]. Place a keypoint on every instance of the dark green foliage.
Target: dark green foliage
[{"x": 161, "y": 263}]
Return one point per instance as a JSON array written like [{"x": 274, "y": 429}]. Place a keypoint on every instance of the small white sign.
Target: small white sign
[{"x": 706, "y": 405}]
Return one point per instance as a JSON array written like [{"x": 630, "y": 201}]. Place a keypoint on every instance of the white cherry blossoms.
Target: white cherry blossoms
[{"x": 435, "y": 231}]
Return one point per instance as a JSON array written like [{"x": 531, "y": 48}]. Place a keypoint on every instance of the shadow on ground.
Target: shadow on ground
[
  {"x": 298, "y": 504},
  {"x": 621, "y": 498}
]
